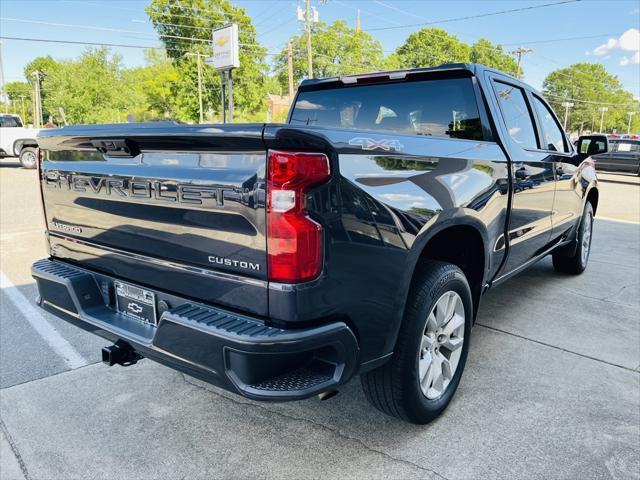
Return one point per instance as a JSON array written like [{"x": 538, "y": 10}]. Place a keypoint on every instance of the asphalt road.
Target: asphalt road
[{"x": 551, "y": 388}]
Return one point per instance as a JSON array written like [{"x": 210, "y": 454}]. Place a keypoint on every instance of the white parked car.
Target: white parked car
[{"x": 16, "y": 140}]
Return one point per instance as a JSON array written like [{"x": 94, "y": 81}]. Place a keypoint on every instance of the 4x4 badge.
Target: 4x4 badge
[{"x": 386, "y": 144}]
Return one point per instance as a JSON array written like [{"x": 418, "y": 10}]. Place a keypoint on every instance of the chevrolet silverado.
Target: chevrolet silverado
[{"x": 278, "y": 261}]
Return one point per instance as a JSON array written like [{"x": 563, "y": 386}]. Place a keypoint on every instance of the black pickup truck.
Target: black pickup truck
[{"x": 278, "y": 261}]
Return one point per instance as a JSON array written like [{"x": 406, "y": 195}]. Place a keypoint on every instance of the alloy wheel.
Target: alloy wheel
[
  {"x": 441, "y": 345},
  {"x": 29, "y": 159},
  {"x": 586, "y": 238}
]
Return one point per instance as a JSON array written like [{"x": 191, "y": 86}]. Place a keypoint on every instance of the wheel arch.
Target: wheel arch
[
  {"x": 434, "y": 243},
  {"x": 593, "y": 196},
  {"x": 463, "y": 244},
  {"x": 20, "y": 143}
]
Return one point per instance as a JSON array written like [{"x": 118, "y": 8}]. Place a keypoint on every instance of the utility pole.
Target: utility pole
[
  {"x": 309, "y": 15},
  {"x": 33, "y": 108},
  {"x": 307, "y": 18},
  {"x": 519, "y": 52},
  {"x": 38, "y": 101},
  {"x": 199, "y": 61},
  {"x": 200, "y": 87},
  {"x": 631, "y": 114},
  {"x": 290, "y": 69},
  {"x": 567, "y": 106},
  {"x": 24, "y": 112},
  {"x": 3, "y": 95},
  {"x": 602, "y": 110}
]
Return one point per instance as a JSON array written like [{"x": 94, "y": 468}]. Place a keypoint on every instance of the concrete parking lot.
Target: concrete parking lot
[{"x": 551, "y": 388}]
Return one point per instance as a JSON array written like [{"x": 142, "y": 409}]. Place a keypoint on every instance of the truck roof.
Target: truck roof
[{"x": 472, "y": 68}]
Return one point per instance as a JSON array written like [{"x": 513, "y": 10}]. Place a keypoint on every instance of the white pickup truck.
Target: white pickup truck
[{"x": 16, "y": 140}]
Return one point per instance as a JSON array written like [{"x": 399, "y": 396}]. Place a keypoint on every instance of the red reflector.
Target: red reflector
[
  {"x": 294, "y": 246},
  {"x": 294, "y": 241}
]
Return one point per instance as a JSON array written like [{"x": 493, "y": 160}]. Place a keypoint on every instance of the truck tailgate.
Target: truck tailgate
[{"x": 182, "y": 209}]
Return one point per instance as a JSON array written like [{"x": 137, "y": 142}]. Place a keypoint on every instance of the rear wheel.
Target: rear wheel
[
  {"x": 29, "y": 157},
  {"x": 419, "y": 381},
  {"x": 575, "y": 260}
]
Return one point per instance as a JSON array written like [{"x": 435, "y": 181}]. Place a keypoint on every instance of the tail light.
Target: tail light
[{"x": 294, "y": 241}]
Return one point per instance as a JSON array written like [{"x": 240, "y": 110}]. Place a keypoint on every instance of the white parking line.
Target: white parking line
[
  {"x": 610, "y": 219},
  {"x": 48, "y": 333}
]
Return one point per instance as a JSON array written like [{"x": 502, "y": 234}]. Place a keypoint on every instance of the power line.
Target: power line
[
  {"x": 366, "y": 12},
  {"x": 120, "y": 45},
  {"x": 472, "y": 17},
  {"x": 97, "y": 28},
  {"x": 589, "y": 101},
  {"x": 117, "y": 30},
  {"x": 551, "y": 40},
  {"x": 399, "y": 10},
  {"x": 264, "y": 20}
]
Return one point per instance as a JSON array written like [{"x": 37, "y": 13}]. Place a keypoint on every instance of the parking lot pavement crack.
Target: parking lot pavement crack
[
  {"x": 634, "y": 370},
  {"x": 599, "y": 299},
  {"x": 620, "y": 290},
  {"x": 14, "y": 449},
  {"x": 320, "y": 425}
]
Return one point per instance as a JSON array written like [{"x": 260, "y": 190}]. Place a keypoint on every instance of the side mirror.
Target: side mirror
[{"x": 589, "y": 145}]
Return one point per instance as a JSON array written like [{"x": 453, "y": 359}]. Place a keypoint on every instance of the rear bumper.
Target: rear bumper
[{"x": 236, "y": 352}]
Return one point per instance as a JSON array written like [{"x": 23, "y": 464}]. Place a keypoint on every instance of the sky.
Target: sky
[{"x": 612, "y": 25}]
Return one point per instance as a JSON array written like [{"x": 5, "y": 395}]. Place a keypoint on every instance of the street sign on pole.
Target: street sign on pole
[
  {"x": 226, "y": 51},
  {"x": 226, "y": 57}
]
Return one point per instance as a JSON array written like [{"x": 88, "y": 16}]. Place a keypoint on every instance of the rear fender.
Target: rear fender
[{"x": 440, "y": 223}]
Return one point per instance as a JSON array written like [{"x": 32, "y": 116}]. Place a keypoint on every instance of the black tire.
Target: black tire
[
  {"x": 574, "y": 260},
  {"x": 29, "y": 157},
  {"x": 394, "y": 388}
]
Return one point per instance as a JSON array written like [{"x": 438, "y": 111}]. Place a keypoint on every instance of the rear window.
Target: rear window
[
  {"x": 9, "y": 121},
  {"x": 439, "y": 108}
]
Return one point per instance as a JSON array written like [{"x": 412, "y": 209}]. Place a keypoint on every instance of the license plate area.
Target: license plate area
[{"x": 136, "y": 302}]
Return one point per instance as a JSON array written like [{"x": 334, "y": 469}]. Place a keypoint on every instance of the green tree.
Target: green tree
[
  {"x": 589, "y": 86},
  {"x": 20, "y": 97},
  {"x": 89, "y": 88},
  {"x": 152, "y": 87},
  {"x": 431, "y": 47},
  {"x": 185, "y": 28},
  {"x": 46, "y": 66},
  {"x": 337, "y": 50},
  {"x": 484, "y": 52}
]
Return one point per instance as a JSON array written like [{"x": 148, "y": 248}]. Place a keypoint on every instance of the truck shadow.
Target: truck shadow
[{"x": 10, "y": 163}]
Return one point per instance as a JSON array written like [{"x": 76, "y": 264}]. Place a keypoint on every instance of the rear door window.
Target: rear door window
[
  {"x": 439, "y": 108},
  {"x": 553, "y": 137},
  {"x": 516, "y": 114}
]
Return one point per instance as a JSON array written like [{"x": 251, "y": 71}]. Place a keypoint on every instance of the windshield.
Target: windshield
[{"x": 441, "y": 108}]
